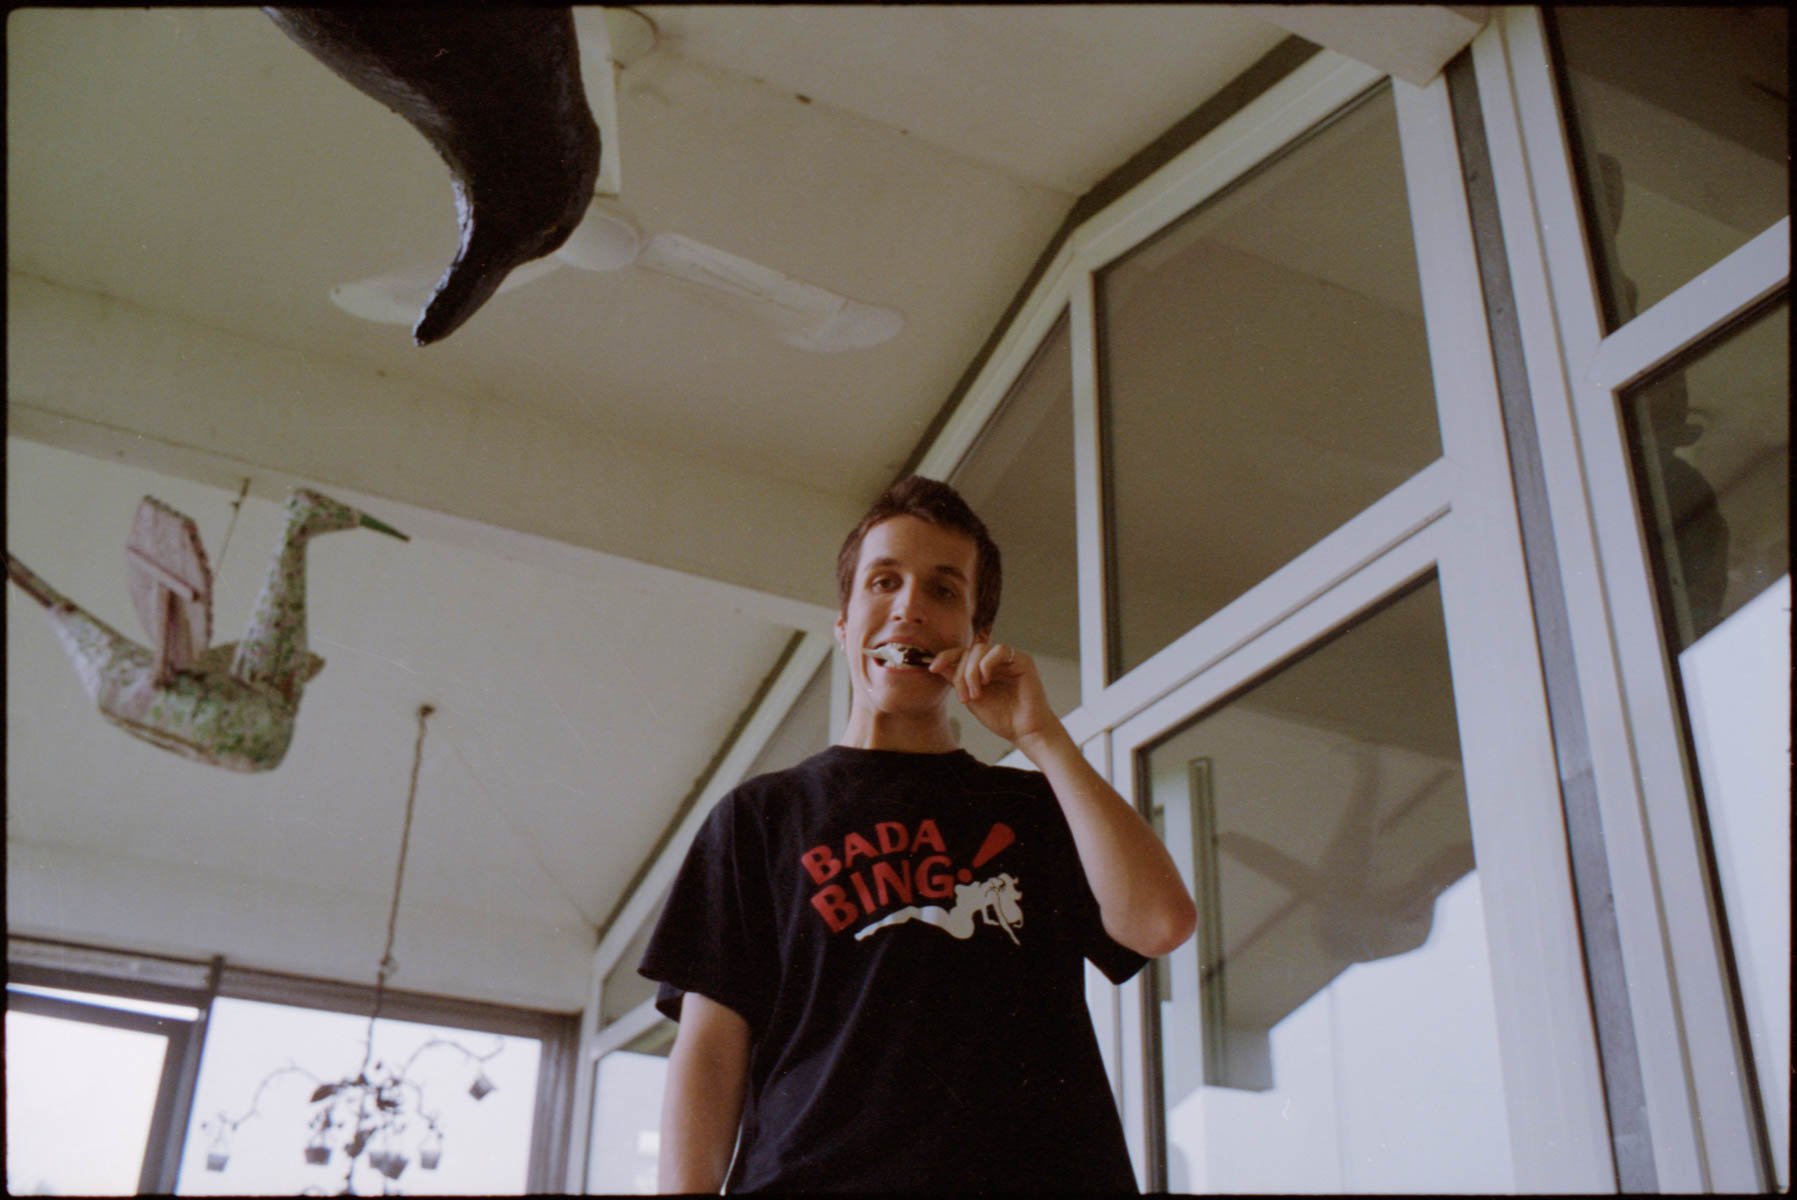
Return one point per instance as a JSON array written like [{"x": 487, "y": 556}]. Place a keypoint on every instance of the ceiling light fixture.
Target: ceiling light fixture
[{"x": 379, "y": 1110}]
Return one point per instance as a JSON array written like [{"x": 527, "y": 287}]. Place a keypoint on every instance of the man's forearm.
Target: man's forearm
[
  {"x": 1143, "y": 901},
  {"x": 698, "y": 1132},
  {"x": 703, "y": 1098}
]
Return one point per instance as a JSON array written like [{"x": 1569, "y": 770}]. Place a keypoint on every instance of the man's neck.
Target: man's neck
[{"x": 921, "y": 734}]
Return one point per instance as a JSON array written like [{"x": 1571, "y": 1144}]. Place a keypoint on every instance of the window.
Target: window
[
  {"x": 1680, "y": 124},
  {"x": 128, "y": 1061},
  {"x": 627, "y": 1114},
  {"x": 478, "y": 1089},
  {"x": 1332, "y": 1027},
  {"x": 1019, "y": 478},
  {"x": 1264, "y": 375},
  {"x": 1710, "y": 440},
  {"x": 86, "y": 1094}
]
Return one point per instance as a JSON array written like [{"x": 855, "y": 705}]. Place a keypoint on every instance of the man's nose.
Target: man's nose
[{"x": 907, "y": 604}]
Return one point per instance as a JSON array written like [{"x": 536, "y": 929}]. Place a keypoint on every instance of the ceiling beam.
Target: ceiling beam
[
  {"x": 111, "y": 379},
  {"x": 1409, "y": 41}
]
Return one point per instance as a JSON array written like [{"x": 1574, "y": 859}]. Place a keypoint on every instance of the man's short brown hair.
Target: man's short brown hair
[{"x": 941, "y": 505}]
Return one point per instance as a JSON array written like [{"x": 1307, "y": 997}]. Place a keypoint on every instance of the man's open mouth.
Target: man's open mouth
[{"x": 895, "y": 654}]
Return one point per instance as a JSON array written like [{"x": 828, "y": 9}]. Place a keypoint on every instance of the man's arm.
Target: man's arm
[
  {"x": 702, "y": 1105},
  {"x": 1141, "y": 898},
  {"x": 1143, "y": 902}
]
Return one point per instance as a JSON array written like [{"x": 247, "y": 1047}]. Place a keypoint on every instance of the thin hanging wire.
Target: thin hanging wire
[
  {"x": 399, "y": 875},
  {"x": 236, "y": 507}
]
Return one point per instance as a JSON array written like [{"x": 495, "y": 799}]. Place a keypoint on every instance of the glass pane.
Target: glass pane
[
  {"x": 1680, "y": 120},
  {"x": 1711, "y": 441},
  {"x": 79, "y": 1098},
  {"x": 261, "y": 1067},
  {"x": 1019, "y": 478},
  {"x": 1266, "y": 377},
  {"x": 1331, "y": 1028},
  {"x": 627, "y": 1115},
  {"x": 1711, "y": 446}
]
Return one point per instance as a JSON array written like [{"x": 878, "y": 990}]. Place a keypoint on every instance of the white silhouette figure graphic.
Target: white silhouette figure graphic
[{"x": 993, "y": 901}]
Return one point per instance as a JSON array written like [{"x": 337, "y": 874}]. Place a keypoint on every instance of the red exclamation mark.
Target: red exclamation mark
[{"x": 1000, "y": 837}]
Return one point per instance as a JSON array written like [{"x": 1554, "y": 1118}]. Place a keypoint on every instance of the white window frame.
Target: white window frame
[
  {"x": 1456, "y": 516},
  {"x": 1703, "y": 1127}
]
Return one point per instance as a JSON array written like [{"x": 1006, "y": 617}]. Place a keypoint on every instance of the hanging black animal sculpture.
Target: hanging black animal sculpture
[{"x": 497, "y": 91}]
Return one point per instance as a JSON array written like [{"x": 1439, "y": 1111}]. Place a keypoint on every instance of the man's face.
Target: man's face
[{"x": 913, "y": 585}]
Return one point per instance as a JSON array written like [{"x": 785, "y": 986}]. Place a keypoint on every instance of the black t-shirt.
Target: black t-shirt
[{"x": 904, "y": 934}]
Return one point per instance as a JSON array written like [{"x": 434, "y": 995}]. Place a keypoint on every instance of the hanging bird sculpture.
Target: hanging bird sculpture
[
  {"x": 497, "y": 92},
  {"x": 232, "y": 705}
]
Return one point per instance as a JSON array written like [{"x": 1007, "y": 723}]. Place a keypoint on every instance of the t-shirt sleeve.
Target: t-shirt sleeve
[
  {"x": 715, "y": 934},
  {"x": 1118, "y": 962}
]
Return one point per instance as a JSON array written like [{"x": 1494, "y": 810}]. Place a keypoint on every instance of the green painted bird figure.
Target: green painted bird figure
[{"x": 233, "y": 705}]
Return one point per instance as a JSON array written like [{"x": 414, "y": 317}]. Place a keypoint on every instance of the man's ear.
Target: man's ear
[{"x": 841, "y": 631}]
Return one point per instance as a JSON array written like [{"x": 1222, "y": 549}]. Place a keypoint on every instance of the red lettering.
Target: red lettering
[
  {"x": 885, "y": 875},
  {"x": 833, "y": 904},
  {"x": 928, "y": 834},
  {"x": 892, "y": 836},
  {"x": 867, "y": 897},
  {"x": 855, "y": 846},
  {"x": 820, "y": 863},
  {"x": 939, "y": 884}
]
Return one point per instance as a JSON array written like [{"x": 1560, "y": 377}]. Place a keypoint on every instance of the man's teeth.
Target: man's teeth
[{"x": 894, "y": 655}]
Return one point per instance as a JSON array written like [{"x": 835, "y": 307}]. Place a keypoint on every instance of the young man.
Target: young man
[{"x": 876, "y": 956}]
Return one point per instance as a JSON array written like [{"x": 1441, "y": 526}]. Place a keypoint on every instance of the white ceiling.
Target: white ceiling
[{"x": 624, "y": 498}]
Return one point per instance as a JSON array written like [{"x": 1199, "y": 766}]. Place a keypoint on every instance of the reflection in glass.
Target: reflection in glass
[
  {"x": 1019, "y": 478},
  {"x": 627, "y": 1115},
  {"x": 79, "y": 1098},
  {"x": 1711, "y": 440},
  {"x": 1331, "y": 1028},
  {"x": 1680, "y": 118},
  {"x": 1711, "y": 443},
  {"x": 1265, "y": 376},
  {"x": 485, "y": 1139}
]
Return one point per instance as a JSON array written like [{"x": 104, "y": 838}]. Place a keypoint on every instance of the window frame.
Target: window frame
[
  {"x": 1459, "y": 514},
  {"x": 1705, "y": 1129},
  {"x": 165, "y": 1136},
  {"x": 130, "y": 975}
]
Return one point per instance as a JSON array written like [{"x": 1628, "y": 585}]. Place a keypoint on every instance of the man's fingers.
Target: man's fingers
[{"x": 988, "y": 663}]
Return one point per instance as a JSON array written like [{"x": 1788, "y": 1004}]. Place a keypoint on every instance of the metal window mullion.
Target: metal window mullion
[
  {"x": 556, "y": 1112},
  {"x": 1703, "y": 1122},
  {"x": 1394, "y": 518},
  {"x": 1554, "y": 1093},
  {"x": 174, "y": 1100},
  {"x": 1717, "y": 296},
  {"x": 1088, "y": 485},
  {"x": 1619, "y": 1054}
]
